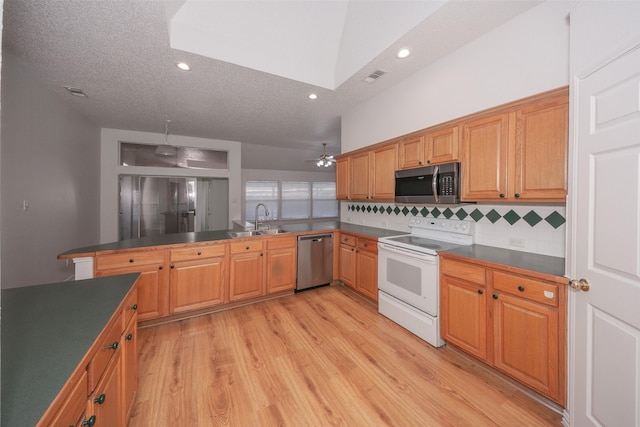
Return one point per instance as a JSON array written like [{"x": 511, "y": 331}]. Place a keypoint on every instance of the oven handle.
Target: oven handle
[{"x": 408, "y": 252}]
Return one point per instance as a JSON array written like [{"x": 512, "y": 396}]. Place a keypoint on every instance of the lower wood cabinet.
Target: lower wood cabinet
[
  {"x": 74, "y": 410},
  {"x": 281, "y": 264},
  {"x": 512, "y": 321},
  {"x": 359, "y": 264},
  {"x": 246, "y": 269},
  {"x": 129, "y": 366},
  {"x": 106, "y": 400},
  {"x": 197, "y": 278}
]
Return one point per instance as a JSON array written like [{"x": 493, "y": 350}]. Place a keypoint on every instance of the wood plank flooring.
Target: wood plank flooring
[{"x": 324, "y": 357}]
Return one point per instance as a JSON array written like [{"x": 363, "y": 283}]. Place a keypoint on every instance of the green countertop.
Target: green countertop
[
  {"x": 523, "y": 260},
  {"x": 46, "y": 331},
  {"x": 208, "y": 236}
]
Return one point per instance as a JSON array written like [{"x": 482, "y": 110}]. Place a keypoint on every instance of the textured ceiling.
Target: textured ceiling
[{"x": 119, "y": 53}]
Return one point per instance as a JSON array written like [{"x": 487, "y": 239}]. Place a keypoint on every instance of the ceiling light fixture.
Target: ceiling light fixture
[
  {"x": 313, "y": 96},
  {"x": 183, "y": 66},
  {"x": 403, "y": 53},
  {"x": 166, "y": 149},
  {"x": 75, "y": 91}
]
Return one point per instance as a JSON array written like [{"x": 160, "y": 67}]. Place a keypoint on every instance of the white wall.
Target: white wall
[
  {"x": 525, "y": 56},
  {"x": 50, "y": 158},
  {"x": 111, "y": 170}
]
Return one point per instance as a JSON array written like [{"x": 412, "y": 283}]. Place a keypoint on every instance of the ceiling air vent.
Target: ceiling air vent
[
  {"x": 75, "y": 91},
  {"x": 373, "y": 76}
]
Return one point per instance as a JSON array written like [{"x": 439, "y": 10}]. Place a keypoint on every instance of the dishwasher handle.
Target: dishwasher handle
[{"x": 315, "y": 237}]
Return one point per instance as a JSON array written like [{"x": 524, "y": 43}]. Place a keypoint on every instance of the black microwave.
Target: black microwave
[{"x": 429, "y": 184}]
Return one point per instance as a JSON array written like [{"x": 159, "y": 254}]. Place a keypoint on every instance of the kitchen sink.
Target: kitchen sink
[{"x": 252, "y": 233}]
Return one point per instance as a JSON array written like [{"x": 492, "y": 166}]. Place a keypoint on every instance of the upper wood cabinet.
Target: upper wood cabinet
[
  {"x": 432, "y": 147},
  {"x": 518, "y": 155},
  {"x": 382, "y": 175},
  {"x": 371, "y": 174},
  {"x": 342, "y": 178},
  {"x": 359, "y": 177}
]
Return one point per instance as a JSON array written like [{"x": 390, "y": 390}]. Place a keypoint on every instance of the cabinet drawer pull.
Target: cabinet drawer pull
[
  {"x": 261, "y": 254},
  {"x": 99, "y": 400},
  {"x": 134, "y": 307},
  {"x": 521, "y": 288},
  {"x": 501, "y": 196},
  {"x": 113, "y": 346},
  {"x": 160, "y": 268},
  {"x": 480, "y": 291},
  {"x": 247, "y": 247},
  {"x": 495, "y": 296},
  {"x": 517, "y": 195},
  {"x": 199, "y": 253},
  {"x": 131, "y": 260},
  {"x": 428, "y": 162},
  {"x": 91, "y": 421},
  {"x": 129, "y": 337}
]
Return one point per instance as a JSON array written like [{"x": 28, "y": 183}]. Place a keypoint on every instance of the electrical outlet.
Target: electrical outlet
[{"x": 516, "y": 242}]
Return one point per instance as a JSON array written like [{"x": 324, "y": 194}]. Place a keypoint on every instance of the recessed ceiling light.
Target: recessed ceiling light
[
  {"x": 183, "y": 66},
  {"x": 403, "y": 53},
  {"x": 313, "y": 96}
]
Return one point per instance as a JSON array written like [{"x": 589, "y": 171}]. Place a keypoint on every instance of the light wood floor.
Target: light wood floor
[{"x": 318, "y": 358}]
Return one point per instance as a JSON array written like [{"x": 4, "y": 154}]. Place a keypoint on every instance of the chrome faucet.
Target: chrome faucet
[{"x": 266, "y": 213}]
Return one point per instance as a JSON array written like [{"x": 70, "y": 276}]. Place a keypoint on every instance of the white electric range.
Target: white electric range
[{"x": 408, "y": 273}]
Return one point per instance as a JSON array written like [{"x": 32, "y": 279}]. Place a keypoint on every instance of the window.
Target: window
[
  {"x": 291, "y": 199},
  {"x": 180, "y": 157}
]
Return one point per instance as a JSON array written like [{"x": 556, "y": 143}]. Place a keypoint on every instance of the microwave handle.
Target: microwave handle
[{"x": 434, "y": 183}]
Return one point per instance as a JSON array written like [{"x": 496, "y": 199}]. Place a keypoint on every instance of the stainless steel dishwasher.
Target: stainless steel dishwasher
[{"x": 315, "y": 260}]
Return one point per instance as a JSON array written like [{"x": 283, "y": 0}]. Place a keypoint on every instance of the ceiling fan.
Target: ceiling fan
[{"x": 324, "y": 160}]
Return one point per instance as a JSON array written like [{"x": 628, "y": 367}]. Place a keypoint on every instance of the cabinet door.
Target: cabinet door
[
  {"x": 443, "y": 145},
  {"x": 540, "y": 152},
  {"x": 384, "y": 161},
  {"x": 342, "y": 178},
  {"x": 152, "y": 289},
  {"x": 484, "y": 166},
  {"x": 464, "y": 315},
  {"x": 526, "y": 343},
  {"x": 348, "y": 265},
  {"x": 73, "y": 411},
  {"x": 246, "y": 275},
  {"x": 411, "y": 152},
  {"x": 129, "y": 366},
  {"x": 359, "y": 177},
  {"x": 367, "y": 274},
  {"x": 107, "y": 398},
  {"x": 281, "y": 270},
  {"x": 196, "y": 284}
]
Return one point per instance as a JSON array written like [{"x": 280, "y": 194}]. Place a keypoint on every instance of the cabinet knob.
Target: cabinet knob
[
  {"x": 131, "y": 260},
  {"x": 501, "y": 196},
  {"x": 91, "y": 421},
  {"x": 199, "y": 253},
  {"x": 517, "y": 195},
  {"x": 247, "y": 248},
  {"x": 99, "y": 400},
  {"x": 160, "y": 268},
  {"x": 495, "y": 296},
  {"x": 428, "y": 161},
  {"x": 113, "y": 346},
  {"x": 134, "y": 307},
  {"x": 480, "y": 291},
  {"x": 172, "y": 266},
  {"x": 129, "y": 337},
  {"x": 261, "y": 254},
  {"x": 521, "y": 288},
  {"x": 420, "y": 162}
]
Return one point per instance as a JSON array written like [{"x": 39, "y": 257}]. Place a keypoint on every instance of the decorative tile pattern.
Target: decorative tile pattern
[{"x": 477, "y": 213}]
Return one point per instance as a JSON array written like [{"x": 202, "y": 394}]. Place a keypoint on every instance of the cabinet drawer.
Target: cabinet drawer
[
  {"x": 197, "y": 253},
  {"x": 347, "y": 239},
  {"x": 464, "y": 271},
  {"x": 104, "y": 262},
  {"x": 130, "y": 308},
  {"x": 248, "y": 246},
  {"x": 281, "y": 242},
  {"x": 105, "y": 350},
  {"x": 531, "y": 289},
  {"x": 367, "y": 245}
]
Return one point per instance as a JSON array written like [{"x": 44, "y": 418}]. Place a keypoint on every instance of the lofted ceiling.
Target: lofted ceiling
[{"x": 253, "y": 63}]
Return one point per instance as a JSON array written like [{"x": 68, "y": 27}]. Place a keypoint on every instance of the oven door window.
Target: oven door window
[{"x": 405, "y": 276}]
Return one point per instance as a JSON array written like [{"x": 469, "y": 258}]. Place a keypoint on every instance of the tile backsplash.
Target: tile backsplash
[{"x": 530, "y": 228}]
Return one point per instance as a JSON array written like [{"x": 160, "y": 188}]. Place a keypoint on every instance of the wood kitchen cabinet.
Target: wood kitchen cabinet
[
  {"x": 371, "y": 173},
  {"x": 281, "y": 264},
  {"x": 359, "y": 264},
  {"x": 246, "y": 269},
  {"x": 197, "y": 278},
  {"x": 74, "y": 410},
  {"x": 129, "y": 366},
  {"x": 512, "y": 321},
  {"x": 437, "y": 145},
  {"x": 343, "y": 165},
  {"x": 519, "y": 154},
  {"x": 106, "y": 400},
  {"x": 153, "y": 283}
]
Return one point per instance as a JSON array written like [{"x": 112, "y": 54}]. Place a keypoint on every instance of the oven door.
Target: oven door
[{"x": 410, "y": 276}]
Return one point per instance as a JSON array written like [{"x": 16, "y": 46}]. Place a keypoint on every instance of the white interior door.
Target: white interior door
[{"x": 604, "y": 359}]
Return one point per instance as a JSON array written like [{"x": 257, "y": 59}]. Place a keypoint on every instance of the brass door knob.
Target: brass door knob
[{"x": 580, "y": 285}]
